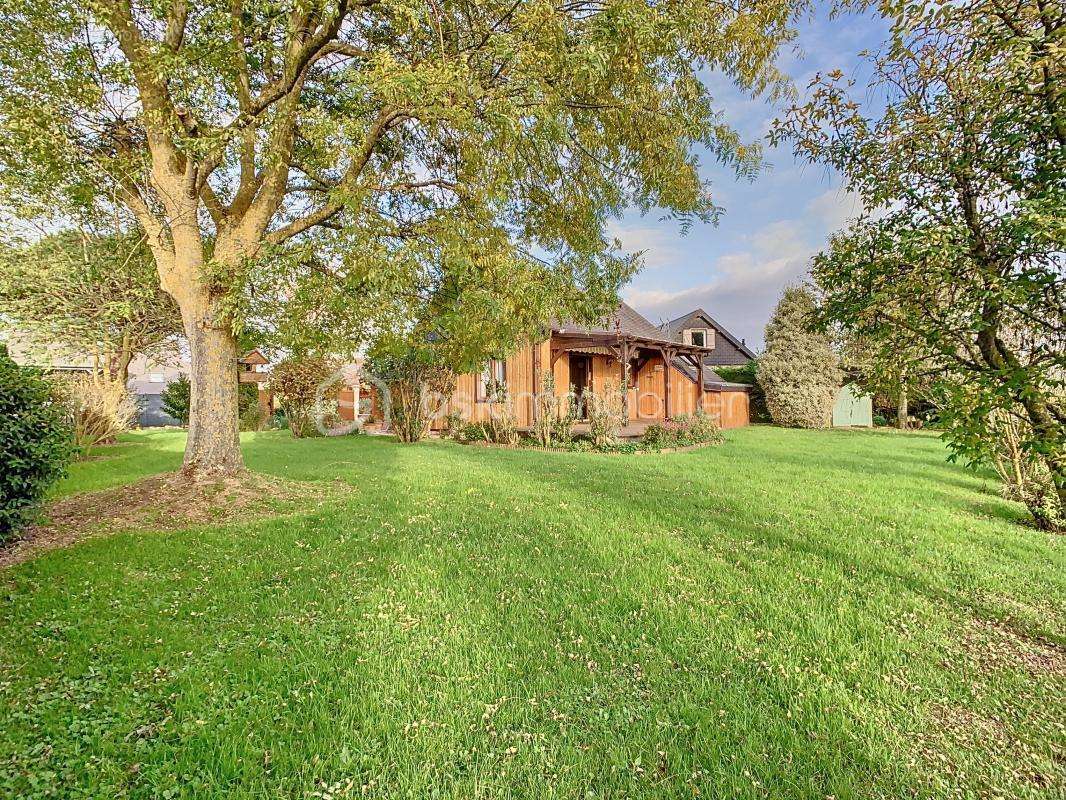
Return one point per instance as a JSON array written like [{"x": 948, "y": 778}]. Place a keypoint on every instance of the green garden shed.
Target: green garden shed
[{"x": 853, "y": 408}]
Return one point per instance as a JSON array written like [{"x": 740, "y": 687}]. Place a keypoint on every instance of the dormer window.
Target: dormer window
[{"x": 699, "y": 337}]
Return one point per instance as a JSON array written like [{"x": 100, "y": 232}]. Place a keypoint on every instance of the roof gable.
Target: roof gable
[{"x": 700, "y": 318}]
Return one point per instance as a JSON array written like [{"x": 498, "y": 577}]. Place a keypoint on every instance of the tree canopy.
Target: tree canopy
[
  {"x": 957, "y": 263},
  {"x": 396, "y": 148},
  {"x": 90, "y": 295}
]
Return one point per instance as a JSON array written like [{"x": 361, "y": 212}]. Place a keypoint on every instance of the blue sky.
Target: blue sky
[{"x": 772, "y": 225}]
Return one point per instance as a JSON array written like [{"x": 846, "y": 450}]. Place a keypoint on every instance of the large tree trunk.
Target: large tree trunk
[{"x": 213, "y": 446}]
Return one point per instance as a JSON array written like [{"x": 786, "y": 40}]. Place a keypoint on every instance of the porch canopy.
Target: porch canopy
[{"x": 633, "y": 341}]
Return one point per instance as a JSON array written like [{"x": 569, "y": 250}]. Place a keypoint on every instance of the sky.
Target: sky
[{"x": 771, "y": 227}]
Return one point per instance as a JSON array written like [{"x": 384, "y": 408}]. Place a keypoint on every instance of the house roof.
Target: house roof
[
  {"x": 624, "y": 320},
  {"x": 673, "y": 329},
  {"x": 255, "y": 357}
]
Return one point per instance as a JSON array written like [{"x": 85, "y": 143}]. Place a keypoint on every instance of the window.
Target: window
[
  {"x": 700, "y": 337},
  {"x": 495, "y": 372}
]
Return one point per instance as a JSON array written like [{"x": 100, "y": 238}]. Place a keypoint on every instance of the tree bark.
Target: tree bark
[
  {"x": 903, "y": 410},
  {"x": 1042, "y": 416},
  {"x": 213, "y": 446}
]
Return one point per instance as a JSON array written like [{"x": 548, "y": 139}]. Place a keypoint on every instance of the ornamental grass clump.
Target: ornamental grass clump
[
  {"x": 100, "y": 408},
  {"x": 556, "y": 415},
  {"x": 502, "y": 426},
  {"x": 606, "y": 413}
]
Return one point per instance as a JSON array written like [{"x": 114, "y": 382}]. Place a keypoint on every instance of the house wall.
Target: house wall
[
  {"x": 732, "y": 408},
  {"x": 520, "y": 383}
]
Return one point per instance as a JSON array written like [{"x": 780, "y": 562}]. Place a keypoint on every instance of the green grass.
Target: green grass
[{"x": 793, "y": 614}]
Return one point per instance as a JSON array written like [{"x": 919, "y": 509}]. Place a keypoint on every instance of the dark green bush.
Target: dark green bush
[
  {"x": 36, "y": 442},
  {"x": 176, "y": 399},
  {"x": 251, "y": 415}
]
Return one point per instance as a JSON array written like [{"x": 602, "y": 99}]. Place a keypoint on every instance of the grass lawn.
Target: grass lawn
[{"x": 793, "y": 614}]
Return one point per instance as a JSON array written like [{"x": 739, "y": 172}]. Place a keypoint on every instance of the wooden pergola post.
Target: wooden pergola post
[
  {"x": 699, "y": 376},
  {"x": 623, "y": 357},
  {"x": 668, "y": 358}
]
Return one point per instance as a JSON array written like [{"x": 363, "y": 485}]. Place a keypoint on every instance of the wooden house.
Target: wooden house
[{"x": 667, "y": 375}]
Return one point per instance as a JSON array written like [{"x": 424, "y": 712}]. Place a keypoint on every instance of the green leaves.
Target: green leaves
[
  {"x": 88, "y": 294},
  {"x": 955, "y": 273}
]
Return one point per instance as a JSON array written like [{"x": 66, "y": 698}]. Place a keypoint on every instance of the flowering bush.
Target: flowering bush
[{"x": 683, "y": 430}]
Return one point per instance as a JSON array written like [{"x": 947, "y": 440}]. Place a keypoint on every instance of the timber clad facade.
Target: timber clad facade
[{"x": 668, "y": 373}]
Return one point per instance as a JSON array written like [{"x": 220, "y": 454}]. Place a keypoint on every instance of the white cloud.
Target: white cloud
[
  {"x": 745, "y": 285},
  {"x": 834, "y": 209},
  {"x": 660, "y": 245}
]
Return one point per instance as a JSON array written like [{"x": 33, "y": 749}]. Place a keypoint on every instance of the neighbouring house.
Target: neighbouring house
[
  {"x": 147, "y": 377},
  {"x": 147, "y": 381},
  {"x": 699, "y": 328},
  {"x": 254, "y": 368},
  {"x": 668, "y": 373}
]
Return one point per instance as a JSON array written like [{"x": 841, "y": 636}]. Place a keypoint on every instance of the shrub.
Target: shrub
[
  {"x": 682, "y": 430},
  {"x": 1026, "y": 477},
  {"x": 799, "y": 371},
  {"x": 176, "y": 399},
  {"x": 251, "y": 413},
  {"x": 453, "y": 426},
  {"x": 556, "y": 415},
  {"x": 296, "y": 383},
  {"x": 35, "y": 443},
  {"x": 475, "y": 432},
  {"x": 502, "y": 425},
  {"x": 277, "y": 421},
  {"x": 418, "y": 386},
  {"x": 100, "y": 409}
]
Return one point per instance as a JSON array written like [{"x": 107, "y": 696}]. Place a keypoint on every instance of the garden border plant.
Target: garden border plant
[{"x": 36, "y": 443}]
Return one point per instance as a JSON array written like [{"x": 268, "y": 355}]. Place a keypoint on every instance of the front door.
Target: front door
[{"x": 580, "y": 380}]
